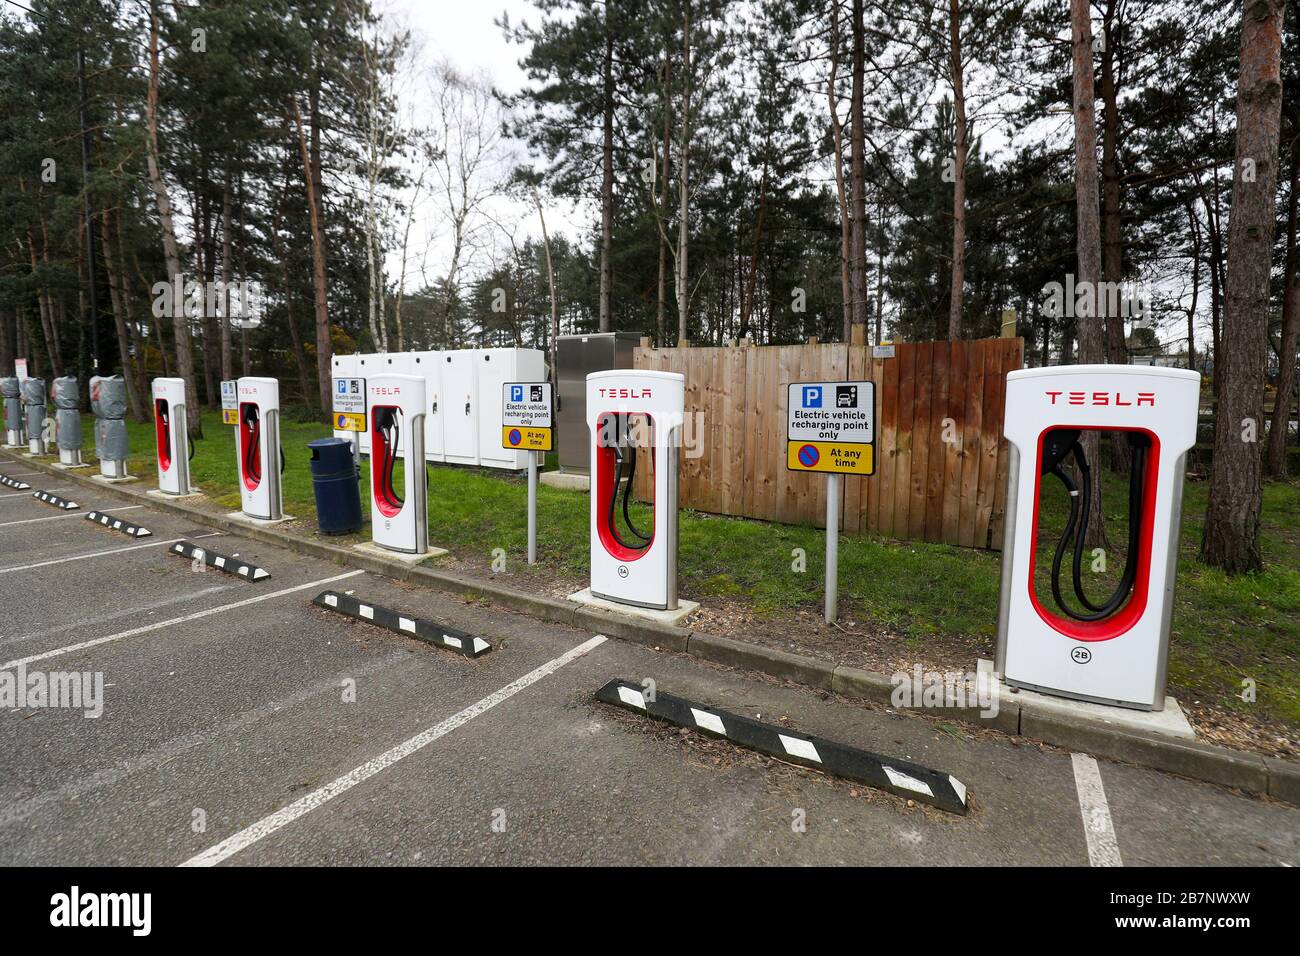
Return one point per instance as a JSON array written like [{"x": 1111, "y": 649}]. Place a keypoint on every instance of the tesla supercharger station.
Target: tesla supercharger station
[
  {"x": 1105, "y": 648},
  {"x": 629, "y": 409},
  {"x": 171, "y": 436},
  {"x": 398, "y": 522},
  {"x": 257, "y": 448}
]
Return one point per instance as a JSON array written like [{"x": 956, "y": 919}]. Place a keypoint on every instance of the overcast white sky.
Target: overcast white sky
[{"x": 463, "y": 32}]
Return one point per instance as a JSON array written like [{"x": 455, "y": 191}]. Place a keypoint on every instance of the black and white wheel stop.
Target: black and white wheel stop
[
  {"x": 433, "y": 633},
  {"x": 235, "y": 566},
  {"x": 900, "y": 777},
  {"x": 14, "y": 483},
  {"x": 118, "y": 524},
  {"x": 55, "y": 500}
]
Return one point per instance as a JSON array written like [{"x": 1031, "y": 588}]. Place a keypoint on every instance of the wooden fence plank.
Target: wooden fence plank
[
  {"x": 936, "y": 473},
  {"x": 950, "y": 529},
  {"x": 920, "y": 426}
]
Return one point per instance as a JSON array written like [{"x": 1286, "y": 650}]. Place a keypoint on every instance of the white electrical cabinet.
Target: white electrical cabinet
[
  {"x": 428, "y": 365},
  {"x": 460, "y": 418},
  {"x": 462, "y": 408}
]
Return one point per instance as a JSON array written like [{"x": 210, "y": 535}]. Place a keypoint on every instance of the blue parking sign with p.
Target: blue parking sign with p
[
  {"x": 812, "y": 396},
  {"x": 343, "y": 386},
  {"x": 516, "y": 393}
]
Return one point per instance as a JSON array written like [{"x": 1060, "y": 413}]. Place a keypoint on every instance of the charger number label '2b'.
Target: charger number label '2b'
[{"x": 831, "y": 427}]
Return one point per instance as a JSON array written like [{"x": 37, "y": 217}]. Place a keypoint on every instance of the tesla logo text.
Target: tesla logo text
[
  {"x": 1103, "y": 398},
  {"x": 385, "y": 390},
  {"x": 625, "y": 392}
]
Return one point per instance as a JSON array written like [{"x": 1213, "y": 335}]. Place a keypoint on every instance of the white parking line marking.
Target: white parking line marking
[
  {"x": 6, "y": 524},
  {"x": 176, "y": 620},
  {"x": 98, "y": 554},
  {"x": 317, "y": 798},
  {"x": 1103, "y": 847}
]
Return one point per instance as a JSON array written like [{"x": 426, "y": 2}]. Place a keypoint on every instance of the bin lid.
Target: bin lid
[{"x": 327, "y": 442}]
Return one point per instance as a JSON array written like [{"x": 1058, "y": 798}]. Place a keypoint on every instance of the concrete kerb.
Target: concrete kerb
[{"x": 1219, "y": 765}]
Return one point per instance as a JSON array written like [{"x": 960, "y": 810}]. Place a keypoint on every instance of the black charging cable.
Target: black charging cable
[
  {"x": 1059, "y": 443},
  {"x": 622, "y": 459},
  {"x": 392, "y": 433}
]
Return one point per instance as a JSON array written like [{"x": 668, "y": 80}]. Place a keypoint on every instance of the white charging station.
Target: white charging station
[
  {"x": 398, "y": 522},
  {"x": 627, "y": 410},
  {"x": 257, "y": 448},
  {"x": 171, "y": 432},
  {"x": 1114, "y": 651}
]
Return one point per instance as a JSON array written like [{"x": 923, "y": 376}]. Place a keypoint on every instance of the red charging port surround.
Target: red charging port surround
[
  {"x": 606, "y": 469},
  {"x": 162, "y": 431},
  {"x": 380, "y": 455},
  {"x": 252, "y": 478},
  {"x": 1133, "y": 609}
]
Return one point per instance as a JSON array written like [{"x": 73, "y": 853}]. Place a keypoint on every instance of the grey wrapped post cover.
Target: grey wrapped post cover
[
  {"x": 67, "y": 402},
  {"x": 34, "y": 399},
  {"x": 13, "y": 409},
  {"x": 110, "y": 431}
]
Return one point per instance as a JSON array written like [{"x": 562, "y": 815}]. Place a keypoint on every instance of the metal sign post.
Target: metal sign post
[
  {"x": 526, "y": 416},
  {"x": 831, "y": 427},
  {"x": 350, "y": 411}
]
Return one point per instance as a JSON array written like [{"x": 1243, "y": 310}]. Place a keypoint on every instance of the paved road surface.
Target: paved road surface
[{"x": 242, "y": 725}]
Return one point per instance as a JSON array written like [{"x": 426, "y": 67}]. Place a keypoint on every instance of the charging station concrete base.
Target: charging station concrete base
[
  {"x": 258, "y": 522},
  {"x": 164, "y": 495},
  {"x": 378, "y": 552},
  {"x": 684, "y": 608},
  {"x": 62, "y": 467},
  {"x": 117, "y": 481},
  {"x": 1170, "y": 722},
  {"x": 568, "y": 480},
  {"x": 28, "y": 454}
]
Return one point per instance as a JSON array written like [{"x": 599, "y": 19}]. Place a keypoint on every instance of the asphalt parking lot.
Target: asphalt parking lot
[{"x": 240, "y": 724}]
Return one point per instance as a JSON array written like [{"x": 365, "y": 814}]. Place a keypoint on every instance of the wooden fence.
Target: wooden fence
[{"x": 934, "y": 481}]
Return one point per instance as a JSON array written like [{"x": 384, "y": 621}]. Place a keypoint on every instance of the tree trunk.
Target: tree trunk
[
  {"x": 841, "y": 193},
  {"x": 665, "y": 187},
  {"x": 180, "y": 322},
  {"x": 1281, "y": 420},
  {"x": 1113, "y": 242},
  {"x": 227, "y": 277},
  {"x": 683, "y": 186},
  {"x": 607, "y": 176},
  {"x": 857, "y": 173},
  {"x": 324, "y": 349},
  {"x": 1088, "y": 271},
  {"x": 555, "y": 307},
  {"x": 751, "y": 280},
  {"x": 959, "y": 172},
  {"x": 204, "y": 269},
  {"x": 134, "y": 386},
  {"x": 1194, "y": 223},
  {"x": 1231, "y": 540}
]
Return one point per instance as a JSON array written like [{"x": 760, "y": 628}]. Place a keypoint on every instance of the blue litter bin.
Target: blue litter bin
[{"x": 335, "y": 480}]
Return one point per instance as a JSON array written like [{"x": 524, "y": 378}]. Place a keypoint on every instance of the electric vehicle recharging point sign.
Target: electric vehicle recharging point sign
[
  {"x": 831, "y": 427},
  {"x": 526, "y": 416},
  {"x": 349, "y": 405},
  {"x": 230, "y": 402}
]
